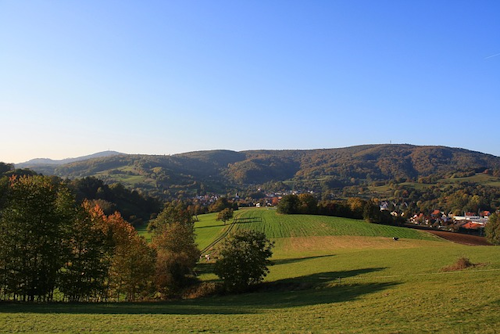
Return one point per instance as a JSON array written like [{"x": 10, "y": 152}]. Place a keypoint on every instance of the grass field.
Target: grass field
[{"x": 330, "y": 276}]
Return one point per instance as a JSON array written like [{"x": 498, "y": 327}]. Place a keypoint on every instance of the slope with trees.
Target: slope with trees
[{"x": 222, "y": 171}]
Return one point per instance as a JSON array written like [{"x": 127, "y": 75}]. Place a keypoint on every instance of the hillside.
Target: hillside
[
  {"x": 47, "y": 166},
  {"x": 222, "y": 170}
]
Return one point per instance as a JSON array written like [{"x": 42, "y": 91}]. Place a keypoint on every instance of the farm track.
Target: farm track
[
  {"x": 222, "y": 236},
  {"x": 459, "y": 238}
]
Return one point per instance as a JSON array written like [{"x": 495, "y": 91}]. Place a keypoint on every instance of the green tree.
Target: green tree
[
  {"x": 492, "y": 229},
  {"x": 221, "y": 204},
  {"x": 173, "y": 212},
  {"x": 225, "y": 215},
  {"x": 34, "y": 226},
  {"x": 243, "y": 260},
  {"x": 86, "y": 271},
  {"x": 289, "y": 204}
]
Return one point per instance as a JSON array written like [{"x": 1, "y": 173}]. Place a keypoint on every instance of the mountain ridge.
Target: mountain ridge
[
  {"x": 221, "y": 171},
  {"x": 48, "y": 161}
]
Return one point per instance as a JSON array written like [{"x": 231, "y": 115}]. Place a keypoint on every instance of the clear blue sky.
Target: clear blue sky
[{"x": 165, "y": 77}]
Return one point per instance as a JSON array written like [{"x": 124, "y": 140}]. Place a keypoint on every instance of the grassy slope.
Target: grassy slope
[{"x": 385, "y": 286}]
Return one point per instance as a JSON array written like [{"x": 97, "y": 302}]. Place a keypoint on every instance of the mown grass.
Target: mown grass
[
  {"x": 321, "y": 283},
  {"x": 285, "y": 226}
]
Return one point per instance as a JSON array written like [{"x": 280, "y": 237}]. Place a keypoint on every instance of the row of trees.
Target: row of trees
[
  {"x": 49, "y": 244},
  {"x": 353, "y": 207}
]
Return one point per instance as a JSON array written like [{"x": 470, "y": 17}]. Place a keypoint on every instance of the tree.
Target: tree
[
  {"x": 132, "y": 261},
  {"x": 221, "y": 204},
  {"x": 289, "y": 204},
  {"x": 34, "y": 224},
  {"x": 244, "y": 260},
  {"x": 175, "y": 245},
  {"x": 492, "y": 229},
  {"x": 308, "y": 204},
  {"x": 86, "y": 271},
  {"x": 225, "y": 215},
  {"x": 173, "y": 212}
]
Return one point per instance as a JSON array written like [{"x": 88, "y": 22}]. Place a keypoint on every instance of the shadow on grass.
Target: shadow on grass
[
  {"x": 204, "y": 267},
  {"x": 210, "y": 226},
  {"x": 301, "y": 291},
  {"x": 299, "y": 259}
]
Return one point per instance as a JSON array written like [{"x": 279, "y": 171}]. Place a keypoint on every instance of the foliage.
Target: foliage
[
  {"x": 221, "y": 204},
  {"x": 492, "y": 229},
  {"x": 225, "y": 215},
  {"x": 328, "y": 170},
  {"x": 173, "y": 212},
  {"x": 134, "y": 206},
  {"x": 49, "y": 242},
  {"x": 289, "y": 204},
  {"x": 85, "y": 274},
  {"x": 132, "y": 263},
  {"x": 33, "y": 228},
  {"x": 308, "y": 204},
  {"x": 175, "y": 244},
  {"x": 244, "y": 260}
]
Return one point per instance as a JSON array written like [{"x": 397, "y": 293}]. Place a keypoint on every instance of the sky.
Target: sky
[{"x": 166, "y": 77}]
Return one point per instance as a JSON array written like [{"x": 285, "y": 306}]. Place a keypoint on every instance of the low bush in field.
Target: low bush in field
[
  {"x": 461, "y": 264},
  {"x": 204, "y": 289}
]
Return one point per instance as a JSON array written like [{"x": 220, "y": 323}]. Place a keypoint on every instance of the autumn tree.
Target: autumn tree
[
  {"x": 244, "y": 260},
  {"x": 308, "y": 204},
  {"x": 132, "y": 261},
  {"x": 175, "y": 245}
]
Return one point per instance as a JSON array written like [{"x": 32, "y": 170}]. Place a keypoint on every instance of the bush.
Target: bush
[
  {"x": 243, "y": 260},
  {"x": 461, "y": 264}
]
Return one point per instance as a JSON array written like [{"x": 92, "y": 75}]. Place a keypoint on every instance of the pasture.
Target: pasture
[{"x": 331, "y": 275}]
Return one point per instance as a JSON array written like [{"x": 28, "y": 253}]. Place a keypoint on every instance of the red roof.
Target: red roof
[
  {"x": 471, "y": 225},
  {"x": 436, "y": 212}
]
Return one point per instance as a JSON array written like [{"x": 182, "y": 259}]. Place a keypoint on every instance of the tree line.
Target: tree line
[
  {"x": 354, "y": 207},
  {"x": 52, "y": 247}
]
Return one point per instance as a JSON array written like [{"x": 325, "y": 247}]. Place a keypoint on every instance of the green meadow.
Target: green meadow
[{"x": 330, "y": 275}]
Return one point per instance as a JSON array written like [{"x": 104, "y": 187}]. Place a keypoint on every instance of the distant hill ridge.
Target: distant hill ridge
[
  {"x": 224, "y": 170},
  {"x": 46, "y": 161}
]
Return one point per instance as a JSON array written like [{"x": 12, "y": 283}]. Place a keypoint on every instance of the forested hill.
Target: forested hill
[
  {"x": 43, "y": 162},
  {"x": 223, "y": 170}
]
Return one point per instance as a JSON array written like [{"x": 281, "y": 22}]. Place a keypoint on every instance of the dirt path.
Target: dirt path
[{"x": 460, "y": 238}]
